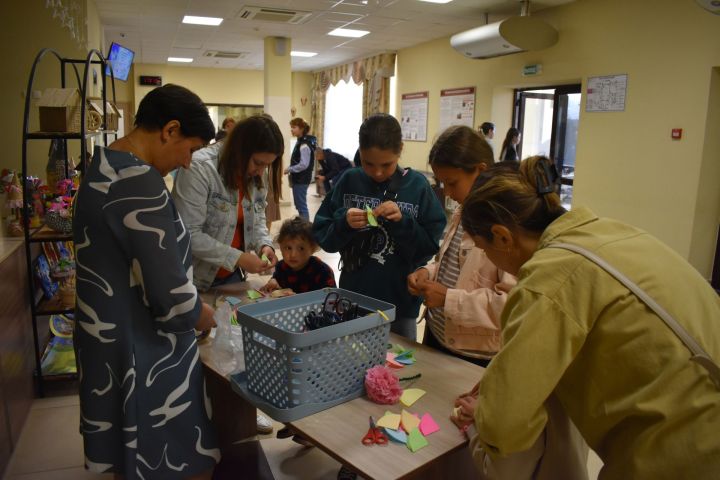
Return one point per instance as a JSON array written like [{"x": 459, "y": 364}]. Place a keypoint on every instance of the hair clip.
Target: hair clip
[{"x": 549, "y": 182}]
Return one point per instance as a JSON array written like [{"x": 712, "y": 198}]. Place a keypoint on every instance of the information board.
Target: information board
[
  {"x": 606, "y": 94},
  {"x": 413, "y": 116},
  {"x": 457, "y": 107}
]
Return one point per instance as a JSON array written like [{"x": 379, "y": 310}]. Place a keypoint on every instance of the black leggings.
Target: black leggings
[{"x": 432, "y": 342}]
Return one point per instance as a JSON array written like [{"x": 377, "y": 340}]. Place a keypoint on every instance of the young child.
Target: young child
[
  {"x": 299, "y": 270},
  {"x": 464, "y": 291},
  {"x": 410, "y": 220}
]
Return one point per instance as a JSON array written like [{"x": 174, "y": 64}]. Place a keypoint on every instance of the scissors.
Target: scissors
[{"x": 374, "y": 435}]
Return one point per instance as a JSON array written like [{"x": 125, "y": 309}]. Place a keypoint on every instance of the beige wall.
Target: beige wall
[
  {"x": 213, "y": 85},
  {"x": 627, "y": 166},
  {"x": 28, "y": 28},
  {"x": 301, "y": 88}
]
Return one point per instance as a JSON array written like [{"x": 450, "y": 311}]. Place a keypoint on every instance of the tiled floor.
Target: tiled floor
[{"x": 50, "y": 446}]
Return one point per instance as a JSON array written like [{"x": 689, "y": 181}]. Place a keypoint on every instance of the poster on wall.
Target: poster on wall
[
  {"x": 606, "y": 94},
  {"x": 413, "y": 116},
  {"x": 457, "y": 107}
]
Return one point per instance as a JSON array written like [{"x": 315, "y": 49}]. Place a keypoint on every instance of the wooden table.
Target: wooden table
[{"x": 338, "y": 430}]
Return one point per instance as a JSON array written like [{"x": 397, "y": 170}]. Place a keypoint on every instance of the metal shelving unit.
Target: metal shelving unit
[{"x": 40, "y": 306}]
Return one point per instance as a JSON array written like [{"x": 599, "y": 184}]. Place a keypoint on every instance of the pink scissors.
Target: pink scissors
[{"x": 374, "y": 435}]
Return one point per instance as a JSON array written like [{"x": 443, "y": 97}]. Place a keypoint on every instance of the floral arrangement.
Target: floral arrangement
[{"x": 382, "y": 385}]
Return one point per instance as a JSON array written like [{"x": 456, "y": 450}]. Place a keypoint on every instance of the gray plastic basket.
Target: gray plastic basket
[{"x": 290, "y": 373}]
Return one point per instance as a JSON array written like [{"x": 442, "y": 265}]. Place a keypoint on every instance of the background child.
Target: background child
[
  {"x": 299, "y": 270},
  {"x": 464, "y": 291},
  {"x": 377, "y": 260}
]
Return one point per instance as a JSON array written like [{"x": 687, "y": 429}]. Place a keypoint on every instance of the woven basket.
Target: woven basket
[{"x": 58, "y": 223}]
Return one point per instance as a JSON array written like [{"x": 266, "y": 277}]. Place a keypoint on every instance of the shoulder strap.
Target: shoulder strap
[{"x": 699, "y": 355}]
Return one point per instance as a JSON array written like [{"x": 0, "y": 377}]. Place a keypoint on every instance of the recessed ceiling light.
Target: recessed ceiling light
[
  {"x": 296, "y": 53},
  {"x": 180, "y": 59},
  {"x": 202, "y": 20},
  {"x": 347, "y": 32},
  {"x": 436, "y": 1}
]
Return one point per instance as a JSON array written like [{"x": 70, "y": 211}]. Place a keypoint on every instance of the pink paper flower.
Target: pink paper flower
[{"x": 382, "y": 385}]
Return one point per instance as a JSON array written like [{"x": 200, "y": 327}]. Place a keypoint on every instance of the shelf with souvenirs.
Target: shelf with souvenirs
[{"x": 42, "y": 212}]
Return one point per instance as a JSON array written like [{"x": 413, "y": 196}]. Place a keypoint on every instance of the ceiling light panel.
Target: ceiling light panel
[
  {"x": 179, "y": 59},
  {"x": 192, "y": 20},
  {"x": 298, "y": 53},
  {"x": 348, "y": 32}
]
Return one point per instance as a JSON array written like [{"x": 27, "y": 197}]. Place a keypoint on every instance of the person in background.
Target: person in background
[
  {"x": 508, "y": 152},
  {"x": 222, "y": 199},
  {"x": 574, "y": 332},
  {"x": 142, "y": 401},
  {"x": 410, "y": 220},
  {"x": 463, "y": 290},
  {"x": 299, "y": 270},
  {"x": 227, "y": 126},
  {"x": 301, "y": 164},
  {"x": 487, "y": 129},
  {"x": 332, "y": 164}
]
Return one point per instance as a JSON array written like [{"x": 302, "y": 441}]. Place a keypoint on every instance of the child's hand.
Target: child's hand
[
  {"x": 433, "y": 292},
  {"x": 356, "y": 218},
  {"x": 268, "y": 252},
  {"x": 415, "y": 279},
  {"x": 270, "y": 286},
  {"x": 473, "y": 392},
  {"x": 388, "y": 210},
  {"x": 251, "y": 263}
]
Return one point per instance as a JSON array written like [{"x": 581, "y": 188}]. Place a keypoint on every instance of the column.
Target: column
[{"x": 278, "y": 93}]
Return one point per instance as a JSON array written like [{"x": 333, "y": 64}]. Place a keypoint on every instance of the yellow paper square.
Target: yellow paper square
[
  {"x": 410, "y": 396},
  {"x": 389, "y": 420},
  {"x": 409, "y": 421}
]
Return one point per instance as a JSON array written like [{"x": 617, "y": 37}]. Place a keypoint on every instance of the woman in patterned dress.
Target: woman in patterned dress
[{"x": 144, "y": 412}]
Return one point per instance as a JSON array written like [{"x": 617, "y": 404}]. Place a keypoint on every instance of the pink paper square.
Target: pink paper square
[{"x": 428, "y": 425}]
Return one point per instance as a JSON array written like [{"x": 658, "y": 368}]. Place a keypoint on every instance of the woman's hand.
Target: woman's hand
[
  {"x": 415, "y": 279},
  {"x": 270, "y": 286},
  {"x": 473, "y": 392},
  {"x": 464, "y": 413},
  {"x": 388, "y": 210},
  {"x": 433, "y": 292},
  {"x": 269, "y": 252},
  {"x": 206, "y": 320},
  {"x": 356, "y": 218},
  {"x": 287, "y": 171},
  {"x": 251, "y": 263}
]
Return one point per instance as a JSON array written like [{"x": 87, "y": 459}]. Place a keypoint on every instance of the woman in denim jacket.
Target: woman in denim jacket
[{"x": 222, "y": 199}]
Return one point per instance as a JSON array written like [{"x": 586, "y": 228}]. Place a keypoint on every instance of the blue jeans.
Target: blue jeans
[
  {"x": 405, "y": 326},
  {"x": 300, "y": 199}
]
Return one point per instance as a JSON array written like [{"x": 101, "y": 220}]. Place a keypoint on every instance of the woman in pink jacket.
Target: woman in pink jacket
[{"x": 463, "y": 290}]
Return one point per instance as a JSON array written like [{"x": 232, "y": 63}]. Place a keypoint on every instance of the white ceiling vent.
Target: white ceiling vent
[
  {"x": 219, "y": 54},
  {"x": 279, "y": 15}
]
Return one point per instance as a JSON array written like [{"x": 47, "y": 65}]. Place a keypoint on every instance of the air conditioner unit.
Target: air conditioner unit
[
  {"x": 512, "y": 35},
  {"x": 227, "y": 55},
  {"x": 267, "y": 14}
]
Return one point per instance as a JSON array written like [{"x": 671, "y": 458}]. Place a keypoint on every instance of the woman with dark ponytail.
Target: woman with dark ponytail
[
  {"x": 573, "y": 332},
  {"x": 508, "y": 151}
]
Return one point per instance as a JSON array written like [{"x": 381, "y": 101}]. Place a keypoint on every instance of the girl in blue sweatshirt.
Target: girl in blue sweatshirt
[{"x": 410, "y": 220}]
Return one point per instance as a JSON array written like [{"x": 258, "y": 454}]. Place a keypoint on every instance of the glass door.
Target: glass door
[
  {"x": 564, "y": 141},
  {"x": 548, "y": 120}
]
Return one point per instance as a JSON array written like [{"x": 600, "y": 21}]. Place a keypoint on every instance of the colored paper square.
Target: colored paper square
[
  {"x": 389, "y": 420},
  {"x": 416, "y": 441},
  {"x": 428, "y": 425},
  {"x": 408, "y": 421},
  {"x": 411, "y": 395}
]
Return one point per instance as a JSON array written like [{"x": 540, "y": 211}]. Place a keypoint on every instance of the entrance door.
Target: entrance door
[{"x": 548, "y": 120}]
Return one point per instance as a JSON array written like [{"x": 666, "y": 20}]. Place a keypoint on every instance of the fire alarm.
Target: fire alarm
[{"x": 676, "y": 133}]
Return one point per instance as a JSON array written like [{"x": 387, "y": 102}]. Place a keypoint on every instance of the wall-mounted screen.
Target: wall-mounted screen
[{"x": 121, "y": 59}]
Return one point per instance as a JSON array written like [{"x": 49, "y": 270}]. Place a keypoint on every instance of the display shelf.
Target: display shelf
[
  {"x": 52, "y": 306},
  {"x": 47, "y": 234},
  {"x": 42, "y": 307},
  {"x": 66, "y": 135}
]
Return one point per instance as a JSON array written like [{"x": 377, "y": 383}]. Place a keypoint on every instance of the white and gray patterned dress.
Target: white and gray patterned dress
[{"x": 144, "y": 411}]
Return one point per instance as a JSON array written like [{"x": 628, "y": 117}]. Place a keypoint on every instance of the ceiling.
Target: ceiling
[{"x": 153, "y": 29}]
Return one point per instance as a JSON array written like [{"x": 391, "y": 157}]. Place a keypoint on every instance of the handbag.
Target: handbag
[{"x": 699, "y": 355}]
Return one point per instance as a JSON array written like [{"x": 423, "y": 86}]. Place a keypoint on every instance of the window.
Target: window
[{"x": 343, "y": 116}]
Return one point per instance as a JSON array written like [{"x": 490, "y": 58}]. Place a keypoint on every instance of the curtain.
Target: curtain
[{"x": 373, "y": 72}]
